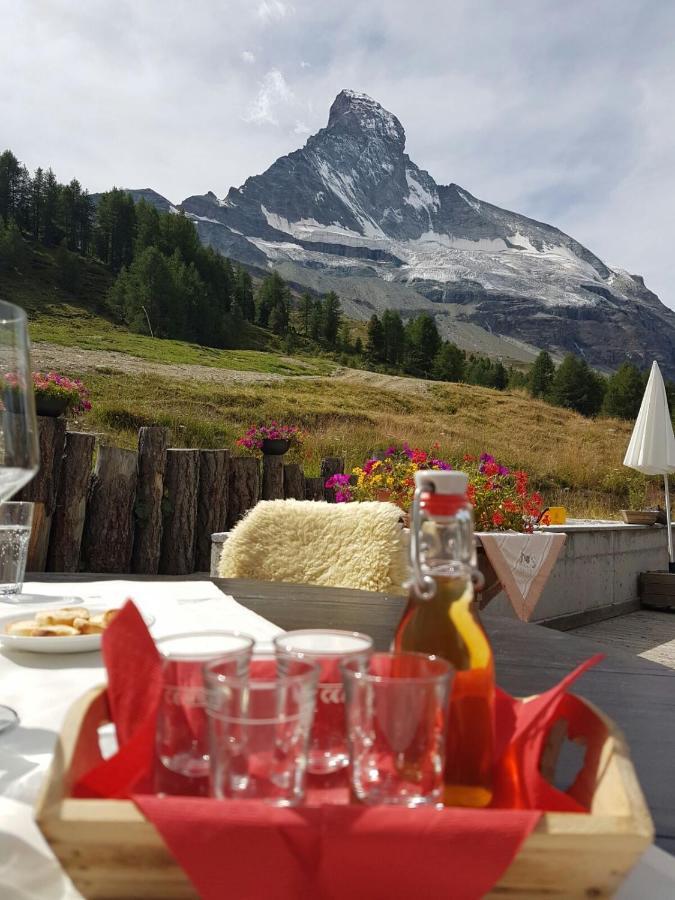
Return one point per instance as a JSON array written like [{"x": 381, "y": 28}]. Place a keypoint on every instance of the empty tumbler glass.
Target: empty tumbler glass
[
  {"x": 330, "y": 649},
  {"x": 259, "y": 729},
  {"x": 397, "y": 706},
  {"x": 182, "y": 733}
]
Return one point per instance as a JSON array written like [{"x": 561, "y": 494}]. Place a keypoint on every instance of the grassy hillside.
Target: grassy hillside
[
  {"x": 82, "y": 320},
  {"x": 573, "y": 460}
]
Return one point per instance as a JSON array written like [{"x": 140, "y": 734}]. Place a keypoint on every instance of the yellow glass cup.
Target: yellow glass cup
[{"x": 557, "y": 515}]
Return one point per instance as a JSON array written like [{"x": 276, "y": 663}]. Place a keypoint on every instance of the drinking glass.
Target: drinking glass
[
  {"x": 329, "y": 648},
  {"x": 181, "y": 737},
  {"x": 19, "y": 451},
  {"x": 15, "y": 523},
  {"x": 259, "y": 729},
  {"x": 397, "y": 707}
]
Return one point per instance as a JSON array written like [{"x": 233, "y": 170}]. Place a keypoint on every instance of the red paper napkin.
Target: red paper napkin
[{"x": 328, "y": 849}]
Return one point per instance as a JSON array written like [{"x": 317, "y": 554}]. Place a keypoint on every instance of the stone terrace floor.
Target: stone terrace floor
[{"x": 646, "y": 633}]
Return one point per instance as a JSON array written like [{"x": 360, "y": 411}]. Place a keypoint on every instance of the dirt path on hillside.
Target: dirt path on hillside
[
  {"x": 77, "y": 360},
  {"x": 74, "y": 359}
]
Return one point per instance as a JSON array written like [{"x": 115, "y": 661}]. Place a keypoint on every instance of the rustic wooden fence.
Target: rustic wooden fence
[{"x": 147, "y": 511}]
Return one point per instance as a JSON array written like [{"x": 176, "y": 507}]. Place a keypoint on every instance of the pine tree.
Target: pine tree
[
  {"x": 344, "y": 340},
  {"x": 358, "y": 347},
  {"x": 147, "y": 226},
  {"x": 576, "y": 386},
  {"x": 177, "y": 232},
  {"x": 243, "y": 294},
  {"x": 480, "y": 371},
  {"x": 375, "y": 340},
  {"x": 624, "y": 392},
  {"x": 331, "y": 319},
  {"x": 10, "y": 175},
  {"x": 541, "y": 375},
  {"x": 51, "y": 232},
  {"x": 423, "y": 343},
  {"x": 394, "y": 338},
  {"x": 12, "y": 247},
  {"x": 305, "y": 314},
  {"x": 67, "y": 268},
  {"x": 500, "y": 377},
  {"x": 37, "y": 203},
  {"x": 449, "y": 363},
  {"x": 115, "y": 232},
  {"x": 316, "y": 321}
]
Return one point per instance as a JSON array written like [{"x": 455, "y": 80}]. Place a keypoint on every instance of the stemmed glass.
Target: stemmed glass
[{"x": 19, "y": 449}]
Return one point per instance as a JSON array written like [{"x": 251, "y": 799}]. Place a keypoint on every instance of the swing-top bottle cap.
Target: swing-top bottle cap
[{"x": 442, "y": 482}]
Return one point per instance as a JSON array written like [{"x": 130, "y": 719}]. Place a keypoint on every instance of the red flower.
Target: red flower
[
  {"x": 497, "y": 519},
  {"x": 510, "y": 506},
  {"x": 490, "y": 468}
]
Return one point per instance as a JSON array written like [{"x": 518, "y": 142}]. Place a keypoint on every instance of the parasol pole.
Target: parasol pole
[{"x": 669, "y": 526}]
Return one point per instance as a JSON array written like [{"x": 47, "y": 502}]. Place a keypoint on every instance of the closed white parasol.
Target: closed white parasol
[{"x": 652, "y": 445}]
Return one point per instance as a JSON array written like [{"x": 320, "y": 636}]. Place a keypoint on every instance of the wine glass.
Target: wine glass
[{"x": 19, "y": 448}]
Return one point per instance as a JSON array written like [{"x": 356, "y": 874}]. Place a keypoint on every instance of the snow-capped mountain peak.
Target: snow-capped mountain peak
[{"x": 351, "y": 212}]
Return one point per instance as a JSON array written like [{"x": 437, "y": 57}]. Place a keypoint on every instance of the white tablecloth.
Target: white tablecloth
[{"x": 42, "y": 687}]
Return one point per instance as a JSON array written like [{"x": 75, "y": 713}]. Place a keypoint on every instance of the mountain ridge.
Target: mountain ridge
[{"x": 351, "y": 212}]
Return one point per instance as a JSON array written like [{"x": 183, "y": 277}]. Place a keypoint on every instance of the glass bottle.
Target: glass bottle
[{"x": 442, "y": 618}]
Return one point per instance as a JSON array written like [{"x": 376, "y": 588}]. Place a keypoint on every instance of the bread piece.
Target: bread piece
[
  {"x": 89, "y": 626},
  {"x": 109, "y": 615},
  {"x": 54, "y": 631},
  {"x": 24, "y": 628},
  {"x": 65, "y": 616}
]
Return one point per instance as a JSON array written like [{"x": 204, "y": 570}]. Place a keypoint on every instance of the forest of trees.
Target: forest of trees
[
  {"x": 574, "y": 385},
  {"x": 167, "y": 284}
]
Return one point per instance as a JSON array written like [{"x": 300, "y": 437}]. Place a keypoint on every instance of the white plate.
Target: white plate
[{"x": 78, "y": 643}]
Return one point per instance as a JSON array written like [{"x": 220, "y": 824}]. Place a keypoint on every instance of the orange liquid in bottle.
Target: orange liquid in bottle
[{"x": 448, "y": 626}]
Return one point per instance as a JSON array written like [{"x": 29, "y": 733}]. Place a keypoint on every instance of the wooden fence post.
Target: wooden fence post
[
  {"x": 181, "y": 485},
  {"x": 314, "y": 488},
  {"x": 42, "y": 489},
  {"x": 294, "y": 482},
  {"x": 107, "y": 542},
  {"x": 272, "y": 477},
  {"x": 71, "y": 503},
  {"x": 244, "y": 487},
  {"x": 212, "y": 501},
  {"x": 331, "y": 465},
  {"x": 152, "y": 444}
]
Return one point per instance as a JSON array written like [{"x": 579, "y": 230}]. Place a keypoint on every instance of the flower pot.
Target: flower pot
[
  {"x": 50, "y": 406},
  {"x": 275, "y": 447}
]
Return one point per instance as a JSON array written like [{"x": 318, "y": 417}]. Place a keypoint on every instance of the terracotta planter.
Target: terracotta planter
[{"x": 272, "y": 447}]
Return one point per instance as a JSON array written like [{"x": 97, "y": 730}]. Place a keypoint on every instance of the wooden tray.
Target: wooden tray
[{"x": 111, "y": 851}]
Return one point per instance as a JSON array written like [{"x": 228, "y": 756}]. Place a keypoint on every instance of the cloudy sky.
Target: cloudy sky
[{"x": 559, "y": 109}]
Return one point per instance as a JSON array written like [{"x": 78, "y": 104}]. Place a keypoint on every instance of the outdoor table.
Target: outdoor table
[{"x": 639, "y": 695}]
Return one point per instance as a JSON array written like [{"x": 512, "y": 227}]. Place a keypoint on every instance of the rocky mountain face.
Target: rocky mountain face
[{"x": 350, "y": 211}]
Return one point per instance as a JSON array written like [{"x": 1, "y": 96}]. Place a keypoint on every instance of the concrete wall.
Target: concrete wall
[{"x": 596, "y": 575}]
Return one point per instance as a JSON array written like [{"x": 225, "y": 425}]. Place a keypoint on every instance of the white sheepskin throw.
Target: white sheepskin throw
[{"x": 351, "y": 545}]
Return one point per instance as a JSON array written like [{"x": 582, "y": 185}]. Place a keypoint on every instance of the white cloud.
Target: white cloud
[
  {"x": 305, "y": 65},
  {"x": 565, "y": 115},
  {"x": 273, "y": 11},
  {"x": 301, "y": 128},
  {"x": 247, "y": 56},
  {"x": 273, "y": 91}
]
